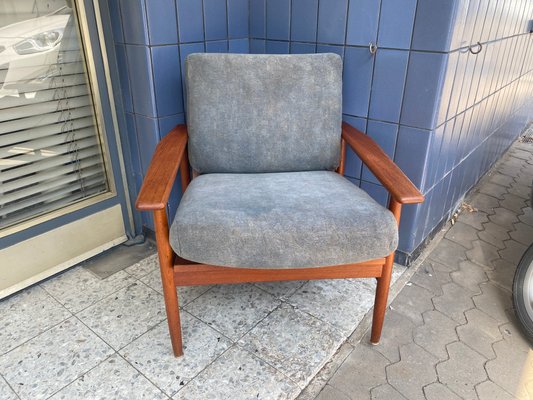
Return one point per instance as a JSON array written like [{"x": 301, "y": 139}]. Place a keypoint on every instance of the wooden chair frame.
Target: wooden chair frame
[{"x": 171, "y": 155}]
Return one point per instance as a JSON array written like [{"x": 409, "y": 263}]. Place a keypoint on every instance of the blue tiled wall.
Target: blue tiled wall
[{"x": 443, "y": 114}]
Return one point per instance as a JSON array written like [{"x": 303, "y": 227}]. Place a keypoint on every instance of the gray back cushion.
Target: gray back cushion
[{"x": 264, "y": 113}]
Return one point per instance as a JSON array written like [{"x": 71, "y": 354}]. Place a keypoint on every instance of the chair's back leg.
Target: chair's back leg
[{"x": 166, "y": 263}]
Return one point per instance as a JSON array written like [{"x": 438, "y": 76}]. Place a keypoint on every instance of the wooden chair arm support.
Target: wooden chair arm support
[
  {"x": 389, "y": 174},
  {"x": 170, "y": 154}
]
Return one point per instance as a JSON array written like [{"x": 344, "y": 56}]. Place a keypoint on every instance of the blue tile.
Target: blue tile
[
  {"x": 274, "y": 47},
  {"x": 136, "y": 169},
  {"x": 239, "y": 46},
  {"x": 217, "y": 46},
  {"x": 326, "y": 48},
  {"x": 358, "y": 63},
  {"x": 353, "y": 163},
  {"x": 141, "y": 81},
  {"x": 277, "y": 19},
  {"x": 332, "y": 22},
  {"x": 363, "y": 18},
  {"x": 257, "y": 19},
  {"x": 147, "y": 138},
  {"x": 377, "y": 192},
  {"x": 162, "y": 22},
  {"x": 134, "y": 21},
  {"x": 433, "y": 25},
  {"x": 412, "y": 153},
  {"x": 422, "y": 90},
  {"x": 388, "y": 83},
  {"x": 238, "y": 19},
  {"x": 356, "y": 182},
  {"x": 396, "y": 23},
  {"x": 167, "y": 77},
  {"x": 257, "y": 46},
  {"x": 116, "y": 20},
  {"x": 302, "y": 48},
  {"x": 385, "y": 135},
  {"x": 215, "y": 19},
  {"x": 166, "y": 124},
  {"x": 190, "y": 21},
  {"x": 409, "y": 229},
  {"x": 304, "y": 14},
  {"x": 122, "y": 63}
]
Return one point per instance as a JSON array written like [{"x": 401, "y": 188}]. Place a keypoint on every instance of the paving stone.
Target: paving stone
[
  {"x": 502, "y": 274},
  {"x": 491, "y": 189},
  {"x": 520, "y": 190},
  {"x": 513, "y": 251},
  {"x": 369, "y": 367},
  {"x": 437, "y": 391},
  {"x": 415, "y": 370},
  {"x": 330, "y": 393},
  {"x": 386, "y": 392},
  {"x": 397, "y": 331},
  {"x": 282, "y": 289},
  {"x": 438, "y": 330},
  {"x": 6, "y": 393},
  {"x": 494, "y": 302},
  {"x": 474, "y": 218},
  {"x": 527, "y": 216},
  {"x": 523, "y": 233},
  {"x": 411, "y": 302},
  {"x": 448, "y": 253},
  {"x": 494, "y": 234},
  {"x": 513, "y": 335},
  {"x": 509, "y": 170},
  {"x": 483, "y": 253},
  {"x": 513, "y": 203},
  {"x": 480, "y": 332},
  {"x": 469, "y": 276},
  {"x": 521, "y": 154},
  {"x": 499, "y": 369},
  {"x": 462, "y": 234},
  {"x": 504, "y": 217},
  {"x": 454, "y": 302},
  {"x": 463, "y": 370},
  {"x": 523, "y": 178},
  {"x": 500, "y": 179},
  {"x": 484, "y": 202},
  {"x": 430, "y": 276},
  {"x": 490, "y": 391}
]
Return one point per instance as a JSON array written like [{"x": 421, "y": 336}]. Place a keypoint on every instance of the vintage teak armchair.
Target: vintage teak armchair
[{"x": 268, "y": 201}]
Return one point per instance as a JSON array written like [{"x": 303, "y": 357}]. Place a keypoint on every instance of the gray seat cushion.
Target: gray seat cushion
[
  {"x": 264, "y": 113},
  {"x": 280, "y": 220}
]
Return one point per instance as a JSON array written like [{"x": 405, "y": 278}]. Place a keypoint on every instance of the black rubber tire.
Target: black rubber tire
[{"x": 518, "y": 286}]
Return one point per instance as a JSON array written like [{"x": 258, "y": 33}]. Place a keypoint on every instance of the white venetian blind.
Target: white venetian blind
[{"x": 50, "y": 151}]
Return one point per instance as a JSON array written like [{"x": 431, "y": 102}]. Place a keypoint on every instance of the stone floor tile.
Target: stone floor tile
[
  {"x": 238, "y": 375},
  {"x": 152, "y": 353},
  {"x": 520, "y": 190},
  {"x": 493, "y": 190},
  {"x": 186, "y": 294},
  {"x": 430, "y": 276},
  {"x": 499, "y": 370},
  {"x": 484, "y": 202},
  {"x": 523, "y": 233},
  {"x": 469, "y": 276},
  {"x": 513, "y": 251},
  {"x": 332, "y": 300},
  {"x": 386, "y": 392},
  {"x": 454, "y": 302},
  {"x": 293, "y": 342},
  {"x": 369, "y": 367},
  {"x": 480, "y": 332},
  {"x": 483, "y": 253},
  {"x": 500, "y": 179},
  {"x": 474, "y": 218},
  {"x": 463, "y": 371},
  {"x": 509, "y": 170},
  {"x": 50, "y": 361},
  {"x": 490, "y": 391},
  {"x": 513, "y": 335},
  {"x": 126, "y": 315},
  {"x": 6, "y": 393},
  {"x": 330, "y": 393},
  {"x": 66, "y": 287},
  {"x": 282, "y": 290},
  {"x": 397, "y": 331},
  {"x": 513, "y": 203},
  {"x": 438, "y": 330},
  {"x": 411, "y": 302},
  {"x": 144, "y": 267},
  {"x": 494, "y": 234},
  {"x": 233, "y": 309},
  {"x": 448, "y": 253},
  {"x": 114, "y": 378},
  {"x": 527, "y": 216},
  {"x": 502, "y": 274},
  {"x": 27, "y": 314},
  {"x": 504, "y": 217},
  {"x": 494, "y": 302},
  {"x": 437, "y": 391},
  {"x": 462, "y": 234},
  {"x": 415, "y": 370}
]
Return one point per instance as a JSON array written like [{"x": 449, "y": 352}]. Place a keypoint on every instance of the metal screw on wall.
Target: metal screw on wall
[
  {"x": 373, "y": 48},
  {"x": 478, "y": 47}
]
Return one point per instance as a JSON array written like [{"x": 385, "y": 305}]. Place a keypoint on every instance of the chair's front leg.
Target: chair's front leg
[
  {"x": 383, "y": 284},
  {"x": 166, "y": 263}
]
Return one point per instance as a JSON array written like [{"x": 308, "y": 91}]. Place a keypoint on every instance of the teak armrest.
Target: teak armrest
[
  {"x": 167, "y": 158},
  {"x": 389, "y": 174}
]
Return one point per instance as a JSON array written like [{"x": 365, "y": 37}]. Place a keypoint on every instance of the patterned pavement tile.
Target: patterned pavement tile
[
  {"x": 480, "y": 332},
  {"x": 438, "y": 330},
  {"x": 454, "y": 302},
  {"x": 469, "y": 276}
]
